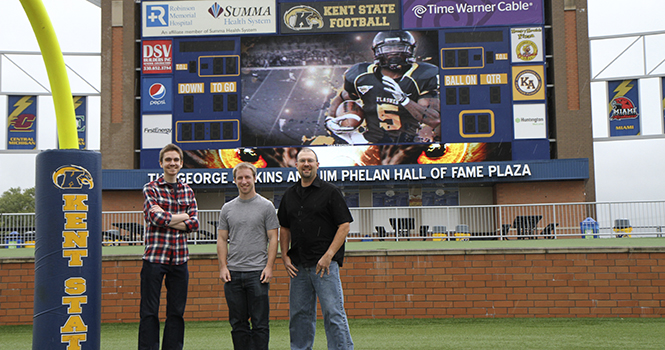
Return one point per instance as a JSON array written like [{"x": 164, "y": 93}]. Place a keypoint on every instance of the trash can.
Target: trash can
[
  {"x": 589, "y": 228},
  {"x": 13, "y": 240}
]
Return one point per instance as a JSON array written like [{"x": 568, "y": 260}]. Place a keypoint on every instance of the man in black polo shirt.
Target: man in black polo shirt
[{"x": 314, "y": 221}]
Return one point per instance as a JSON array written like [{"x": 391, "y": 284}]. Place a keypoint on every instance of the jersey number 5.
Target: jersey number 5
[{"x": 388, "y": 112}]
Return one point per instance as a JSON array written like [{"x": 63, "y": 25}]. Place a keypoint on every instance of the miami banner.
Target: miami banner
[{"x": 623, "y": 109}]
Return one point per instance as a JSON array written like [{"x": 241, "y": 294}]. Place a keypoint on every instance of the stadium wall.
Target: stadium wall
[{"x": 563, "y": 282}]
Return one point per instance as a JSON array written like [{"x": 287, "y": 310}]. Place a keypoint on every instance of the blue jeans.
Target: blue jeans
[
  {"x": 247, "y": 298},
  {"x": 302, "y": 309},
  {"x": 177, "y": 279}
]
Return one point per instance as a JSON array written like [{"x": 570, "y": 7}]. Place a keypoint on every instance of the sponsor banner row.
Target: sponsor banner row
[{"x": 238, "y": 17}]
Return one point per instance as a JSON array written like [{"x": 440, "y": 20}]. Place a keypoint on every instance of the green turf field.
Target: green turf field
[{"x": 420, "y": 334}]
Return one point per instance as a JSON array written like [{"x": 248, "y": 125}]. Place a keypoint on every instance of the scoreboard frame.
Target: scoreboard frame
[{"x": 203, "y": 75}]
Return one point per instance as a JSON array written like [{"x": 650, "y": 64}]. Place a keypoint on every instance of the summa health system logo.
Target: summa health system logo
[
  {"x": 215, "y": 10},
  {"x": 303, "y": 18},
  {"x": 157, "y": 92},
  {"x": 72, "y": 177}
]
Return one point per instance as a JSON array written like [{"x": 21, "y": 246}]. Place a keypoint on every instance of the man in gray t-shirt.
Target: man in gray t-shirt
[{"x": 246, "y": 248}]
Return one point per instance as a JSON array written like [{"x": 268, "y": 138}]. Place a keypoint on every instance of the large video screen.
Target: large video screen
[{"x": 288, "y": 83}]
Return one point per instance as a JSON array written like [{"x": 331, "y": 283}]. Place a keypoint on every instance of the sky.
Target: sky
[{"x": 78, "y": 26}]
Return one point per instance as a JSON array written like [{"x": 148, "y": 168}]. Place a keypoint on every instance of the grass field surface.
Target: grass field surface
[{"x": 407, "y": 334}]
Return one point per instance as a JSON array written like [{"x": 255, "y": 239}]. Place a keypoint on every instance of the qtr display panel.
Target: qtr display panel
[{"x": 477, "y": 82}]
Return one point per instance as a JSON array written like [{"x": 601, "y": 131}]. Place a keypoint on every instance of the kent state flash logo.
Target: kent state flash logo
[{"x": 72, "y": 177}]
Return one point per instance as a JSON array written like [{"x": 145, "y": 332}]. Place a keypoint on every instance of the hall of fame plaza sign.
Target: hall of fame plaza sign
[{"x": 425, "y": 173}]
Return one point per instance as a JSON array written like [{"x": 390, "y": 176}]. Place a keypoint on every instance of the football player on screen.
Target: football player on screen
[{"x": 400, "y": 97}]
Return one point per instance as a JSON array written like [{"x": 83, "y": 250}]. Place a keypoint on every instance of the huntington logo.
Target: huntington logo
[
  {"x": 71, "y": 177},
  {"x": 303, "y": 18}
]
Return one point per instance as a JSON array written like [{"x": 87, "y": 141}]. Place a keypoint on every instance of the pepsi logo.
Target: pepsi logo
[{"x": 157, "y": 91}]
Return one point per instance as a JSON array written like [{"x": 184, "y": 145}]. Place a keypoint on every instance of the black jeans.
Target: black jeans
[
  {"x": 177, "y": 279},
  {"x": 247, "y": 298}
]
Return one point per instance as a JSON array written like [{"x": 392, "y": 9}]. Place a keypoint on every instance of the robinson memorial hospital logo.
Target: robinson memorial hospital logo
[{"x": 162, "y": 15}]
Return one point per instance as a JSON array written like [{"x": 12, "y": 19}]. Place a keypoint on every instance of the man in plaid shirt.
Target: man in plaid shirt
[{"x": 170, "y": 213}]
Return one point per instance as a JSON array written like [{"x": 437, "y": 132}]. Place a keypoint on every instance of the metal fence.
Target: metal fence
[
  {"x": 492, "y": 222},
  {"x": 499, "y": 222}
]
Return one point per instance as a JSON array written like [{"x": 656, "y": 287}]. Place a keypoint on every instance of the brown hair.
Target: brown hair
[
  {"x": 167, "y": 148},
  {"x": 244, "y": 165}
]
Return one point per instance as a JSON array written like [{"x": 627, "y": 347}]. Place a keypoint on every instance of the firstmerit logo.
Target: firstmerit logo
[{"x": 157, "y": 15}]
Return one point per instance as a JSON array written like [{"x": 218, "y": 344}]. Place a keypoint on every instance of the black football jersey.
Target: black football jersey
[{"x": 387, "y": 121}]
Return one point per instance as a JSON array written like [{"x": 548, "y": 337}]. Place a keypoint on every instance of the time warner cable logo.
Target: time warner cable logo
[
  {"x": 419, "y": 10},
  {"x": 157, "y": 15}
]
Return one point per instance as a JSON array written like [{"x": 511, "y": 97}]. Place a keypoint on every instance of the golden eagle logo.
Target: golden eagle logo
[
  {"x": 71, "y": 177},
  {"x": 303, "y": 18}
]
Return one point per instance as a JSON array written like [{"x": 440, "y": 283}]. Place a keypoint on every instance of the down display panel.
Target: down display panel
[{"x": 206, "y": 104}]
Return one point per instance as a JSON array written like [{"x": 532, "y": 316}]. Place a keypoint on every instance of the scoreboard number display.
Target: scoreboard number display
[
  {"x": 475, "y": 92},
  {"x": 478, "y": 69},
  {"x": 204, "y": 87}
]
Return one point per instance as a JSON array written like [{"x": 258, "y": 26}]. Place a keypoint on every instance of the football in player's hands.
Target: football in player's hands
[{"x": 350, "y": 114}]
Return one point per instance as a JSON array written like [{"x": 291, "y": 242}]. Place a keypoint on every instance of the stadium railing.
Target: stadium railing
[{"x": 449, "y": 223}]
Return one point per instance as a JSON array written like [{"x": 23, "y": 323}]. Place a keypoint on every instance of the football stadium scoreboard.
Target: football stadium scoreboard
[{"x": 195, "y": 60}]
